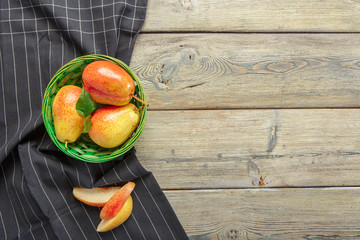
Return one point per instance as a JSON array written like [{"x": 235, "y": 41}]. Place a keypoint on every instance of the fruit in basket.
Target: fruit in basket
[
  {"x": 113, "y": 125},
  {"x": 119, "y": 218},
  {"x": 108, "y": 83},
  {"x": 96, "y": 197},
  {"x": 116, "y": 202},
  {"x": 68, "y": 123}
]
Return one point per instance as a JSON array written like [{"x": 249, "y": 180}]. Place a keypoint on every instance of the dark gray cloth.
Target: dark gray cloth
[{"x": 36, "y": 202}]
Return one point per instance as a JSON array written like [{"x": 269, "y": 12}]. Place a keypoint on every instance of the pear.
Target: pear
[
  {"x": 68, "y": 123},
  {"x": 111, "y": 126},
  {"x": 108, "y": 83}
]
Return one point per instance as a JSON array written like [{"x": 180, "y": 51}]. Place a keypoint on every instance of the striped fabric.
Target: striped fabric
[{"x": 36, "y": 179}]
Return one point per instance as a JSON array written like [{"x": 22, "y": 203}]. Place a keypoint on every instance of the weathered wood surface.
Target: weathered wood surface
[
  {"x": 320, "y": 213},
  {"x": 253, "y": 15},
  {"x": 206, "y": 71},
  {"x": 252, "y": 148},
  {"x": 254, "y": 136}
]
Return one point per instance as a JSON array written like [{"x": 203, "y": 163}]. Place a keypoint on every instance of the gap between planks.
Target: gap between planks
[
  {"x": 247, "y": 109},
  {"x": 271, "y": 188}
]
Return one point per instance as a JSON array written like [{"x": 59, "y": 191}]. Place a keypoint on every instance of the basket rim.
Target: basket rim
[{"x": 46, "y": 109}]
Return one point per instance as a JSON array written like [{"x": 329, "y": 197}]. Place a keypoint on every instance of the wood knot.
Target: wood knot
[
  {"x": 186, "y": 4},
  {"x": 257, "y": 178},
  {"x": 233, "y": 234},
  {"x": 281, "y": 67}
]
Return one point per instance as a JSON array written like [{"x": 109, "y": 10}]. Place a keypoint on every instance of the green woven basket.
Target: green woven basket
[{"x": 84, "y": 148}]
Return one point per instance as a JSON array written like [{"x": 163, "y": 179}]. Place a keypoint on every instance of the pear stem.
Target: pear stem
[
  {"x": 66, "y": 142},
  {"x": 140, "y": 100}
]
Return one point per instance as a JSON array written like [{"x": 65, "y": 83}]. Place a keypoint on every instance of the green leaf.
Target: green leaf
[
  {"x": 98, "y": 106},
  {"x": 85, "y": 106},
  {"x": 87, "y": 124}
]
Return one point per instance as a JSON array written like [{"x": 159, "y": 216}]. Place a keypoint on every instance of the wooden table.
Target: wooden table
[{"x": 253, "y": 129}]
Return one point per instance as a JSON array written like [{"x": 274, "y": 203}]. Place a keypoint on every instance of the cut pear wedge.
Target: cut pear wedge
[
  {"x": 118, "y": 219},
  {"x": 96, "y": 197}
]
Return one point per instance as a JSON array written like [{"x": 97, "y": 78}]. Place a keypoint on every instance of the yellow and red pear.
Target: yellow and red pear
[
  {"x": 111, "y": 126},
  {"x": 68, "y": 123},
  {"x": 108, "y": 83}
]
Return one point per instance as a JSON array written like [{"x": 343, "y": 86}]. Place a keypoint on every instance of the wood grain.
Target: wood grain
[
  {"x": 252, "y": 148},
  {"x": 211, "y": 71},
  {"x": 328, "y": 213},
  {"x": 253, "y": 16}
]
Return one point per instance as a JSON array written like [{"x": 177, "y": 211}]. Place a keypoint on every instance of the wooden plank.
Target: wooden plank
[
  {"x": 252, "y": 148},
  {"x": 253, "y": 16},
  {"x": 207, "y": 71},
  {"x": 330, "y": 213}
]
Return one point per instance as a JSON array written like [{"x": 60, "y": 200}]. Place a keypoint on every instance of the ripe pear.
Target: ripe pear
[
  {"x": 111, "y": 126},
  {"x": 68, "y": 123},
  {"x": 108, "y": 83}
]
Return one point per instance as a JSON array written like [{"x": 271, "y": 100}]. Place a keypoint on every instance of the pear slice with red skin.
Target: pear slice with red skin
[
  {"x": 96, "y": 197},
  {"x": 114, "y": 205},
  {"x": 120, "y": 217}
]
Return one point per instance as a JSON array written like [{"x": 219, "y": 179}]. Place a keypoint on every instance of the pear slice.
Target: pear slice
[
  {"x": 96, "y": 197},
  {"x": 118, "y": 219},
  {"x": 115, "y": 204}
]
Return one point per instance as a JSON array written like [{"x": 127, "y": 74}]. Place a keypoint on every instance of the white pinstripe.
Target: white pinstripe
[
  {"x": 126, "y": 231},
  {"x": 117, "y": 175},
  {"x": 39, "y": 62},
  {"x": 27, "y": 74},
  {"x": 132, "y": 24},
  {"x": 112, "y": 233},
  {"x": 42, "y": 188},
  {"x": 106, "y": 43},
  {"x": 15, "y": 77},
  {"x": 130, "y": 170},
  {"x": 77, "y": 172},
  {"x": 61, "y": 35},
  {"x": 146, "y": 213},
  {"x": 92, "y": 179},
  {"x": 138, "y": 225},
  {"x": 119, "y": 27},
  {"x": 103, "y": 177},
  {"x": 11, "y": 203},
  {"x": 62, "y": 196},
  {"x": 27, "y": 200},
  {"x": 38, "y": 53},
  {"x": 2, "y": 222},
  {"x": 114, "y": 18},
  {"x": 93, "y": 26},
  {"x": 3, "y": 95},
  {"x": 80, "y": 21},
  {"x": 157, "y": 207},
  {"x": 67, "y": 27},
  {"x": 17, "y": 195}
]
